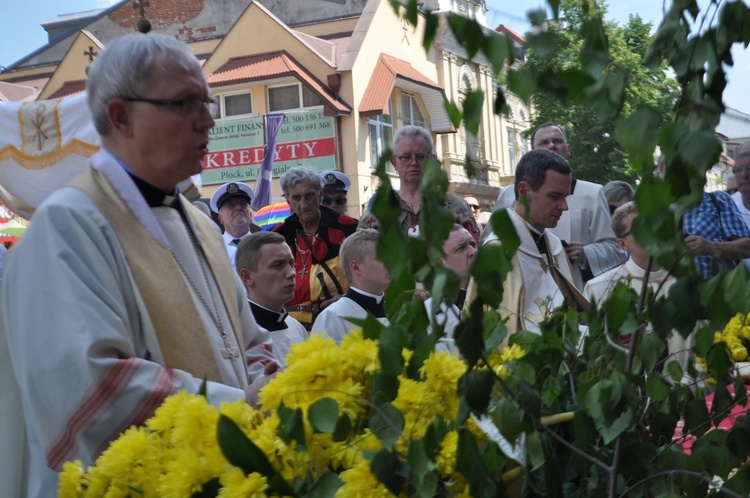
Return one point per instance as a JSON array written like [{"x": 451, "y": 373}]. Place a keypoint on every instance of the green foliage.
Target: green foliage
[{"x": 591, "y": 417}]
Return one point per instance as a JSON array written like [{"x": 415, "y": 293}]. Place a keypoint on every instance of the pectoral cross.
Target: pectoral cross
[
  {"x": 303, "y": 271},
  {"x": 231, "y": 353}
]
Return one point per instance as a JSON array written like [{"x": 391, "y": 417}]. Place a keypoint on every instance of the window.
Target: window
[
  {"x": 238, "y": 104},
  {"x": 233, "y": 104},
  {"x": 380, "y": 128},
  {"x": 283, "y": 98},
  {"x": 410, "y": 112},
  {"x": 512, "y": 149}
]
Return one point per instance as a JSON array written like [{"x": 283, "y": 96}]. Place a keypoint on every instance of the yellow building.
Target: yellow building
[{"x": 346, "y": 73}]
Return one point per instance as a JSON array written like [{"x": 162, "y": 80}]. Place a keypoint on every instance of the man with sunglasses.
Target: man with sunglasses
[
  {"x": 335, "y": 186},
  {"x": 412, "y": 147},
  {"x": 121, "y": 292}
]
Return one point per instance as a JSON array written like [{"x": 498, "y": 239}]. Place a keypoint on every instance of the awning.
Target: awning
[
  {"x": 391, "y": 72},
  {"x": 275, "y": 65}
]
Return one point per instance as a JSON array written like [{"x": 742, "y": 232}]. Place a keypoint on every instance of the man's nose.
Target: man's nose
[{"x": 564, "y": 204}]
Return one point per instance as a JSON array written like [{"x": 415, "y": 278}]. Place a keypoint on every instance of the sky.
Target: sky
[{"x": 21, "y": 32}]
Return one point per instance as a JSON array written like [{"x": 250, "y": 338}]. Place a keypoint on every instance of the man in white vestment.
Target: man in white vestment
[
  {"x": 541, "y": 278},
  {"x": 266, "y": 266},
  {"x": 231, "y": 202},
  {"x": 368, "y": 280},
  {"x": 458, "y": 253},
  {"x": 632, "y": 273},
  {"x": 584, "y": 227},
  {"x": 121, "y": 293}
]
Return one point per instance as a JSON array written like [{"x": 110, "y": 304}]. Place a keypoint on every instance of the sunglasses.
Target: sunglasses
[
  {"x": 340, "y": 201},
  {"x": 474, "y": 206}
]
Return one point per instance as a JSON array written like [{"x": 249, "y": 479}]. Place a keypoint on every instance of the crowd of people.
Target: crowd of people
[{"x": 137, "y": 294}]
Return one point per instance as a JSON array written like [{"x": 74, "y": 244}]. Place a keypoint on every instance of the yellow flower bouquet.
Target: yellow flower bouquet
[{"x": 318, "y": 432}]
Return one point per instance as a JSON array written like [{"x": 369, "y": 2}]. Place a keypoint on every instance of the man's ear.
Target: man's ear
[
  {"x": 354, "y": 267},
  {"x": 623, "y": 244},
  {"x": 118, "y": 113},
  {"x": 247, "y": 277},
  {"x": 523, "y": 188}
]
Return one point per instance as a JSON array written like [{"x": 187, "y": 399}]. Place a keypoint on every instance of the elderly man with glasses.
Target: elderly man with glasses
[
  {"x": 121, "y": 292},
  {"x": 412, "y": 146}
]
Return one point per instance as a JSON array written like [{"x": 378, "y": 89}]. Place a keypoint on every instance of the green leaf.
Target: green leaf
[
  {"x": 740, "y": 481},
  {"x": 522, "y": 83},
  {"x": 210, "y": 489},
  {"x": 384, "y": 387},
  {"x": 535, "y": 450},
  {"x": 657, "y": 388},
  {"x": 508, "y": 417},
  {"x": 239, "y": 450},
  {"x": 431, "y": 25},
  {"x": 470, "y": 464},
  {"x": 292, "y": 426},
  {"x": 386, "y": 422},
  {"x": 323, "y": 415},
  {"x": 696, "y": 418},
  {"x": 389, "y": 470},
  {"x": 454, "y": 113},
  {"x": 342, "y": 429},
  {"x": 476, "y": 387},
  {"x": 472, "y": 110},
  {"x": 499, "y": 51},
  {"x": 468, "y": 32},
  {"x": 326, "y": 485}
]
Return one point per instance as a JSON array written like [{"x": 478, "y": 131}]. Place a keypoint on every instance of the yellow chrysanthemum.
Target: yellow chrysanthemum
[
  {"x": 418, "y": 404},
  {"x": 235, "y": 484},
  {"x": 359, "y": 482},
  {"x": 445, "y": 462},
  {"x": 72, "y": 482}
]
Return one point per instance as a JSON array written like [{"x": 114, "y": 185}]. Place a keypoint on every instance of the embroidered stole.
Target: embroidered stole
[{"x": 165, "y": 293}]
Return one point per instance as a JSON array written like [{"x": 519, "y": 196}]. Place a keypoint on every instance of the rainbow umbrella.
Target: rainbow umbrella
[
  {"x": 13, "y": 230},
  {"x": 273, "y": 214}
]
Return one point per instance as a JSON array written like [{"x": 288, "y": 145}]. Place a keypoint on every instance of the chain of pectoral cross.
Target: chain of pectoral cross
[
  {"x": 228, "y": 351},
  {"x": 303, "y": 262}
]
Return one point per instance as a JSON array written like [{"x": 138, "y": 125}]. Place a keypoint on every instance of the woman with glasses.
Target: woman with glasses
[{"x": 412, "y": 146}]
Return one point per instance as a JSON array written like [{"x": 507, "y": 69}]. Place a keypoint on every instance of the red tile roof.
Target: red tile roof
[
  {"x": 390, "y": 72},
  {"x": 69, "y": 88},
  {"x": 274, "y": 65}
]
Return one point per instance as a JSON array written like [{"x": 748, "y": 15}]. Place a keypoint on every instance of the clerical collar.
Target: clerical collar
[
  {"x": 154, "y": 196},
  {"x": 460, "y": 299},
  {"x": 368, "y": 302},
  {"x": 268, "y": 319}
]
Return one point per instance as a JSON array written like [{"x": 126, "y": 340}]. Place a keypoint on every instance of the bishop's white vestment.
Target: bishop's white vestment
[{"x": 100, "y": 323}]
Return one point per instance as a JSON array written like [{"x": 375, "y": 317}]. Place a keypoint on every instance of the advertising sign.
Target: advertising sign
[{"x": 307, "y": 138}]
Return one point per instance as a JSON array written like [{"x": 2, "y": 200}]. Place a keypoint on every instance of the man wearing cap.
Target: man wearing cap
[
  {"x": 335, "y": 186},
  {"x": 231, "y": 202}
]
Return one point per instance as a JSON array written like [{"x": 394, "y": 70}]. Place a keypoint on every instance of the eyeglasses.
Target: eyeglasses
[
  {"x": 419, "y": 158},
  {"x": 739, "y": 171},
  {"x": 340, "y": 201},
  {"x": 626, "y": 234},
  {"x": 190, "y": 107},
  {"x": 475, "y": 207}
]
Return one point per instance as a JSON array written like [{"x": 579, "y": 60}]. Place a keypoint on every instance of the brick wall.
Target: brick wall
[{"x": 164, "y": 14}]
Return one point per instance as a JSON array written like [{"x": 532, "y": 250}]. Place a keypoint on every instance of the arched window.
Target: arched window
[{"x": 466, "y": 84}]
